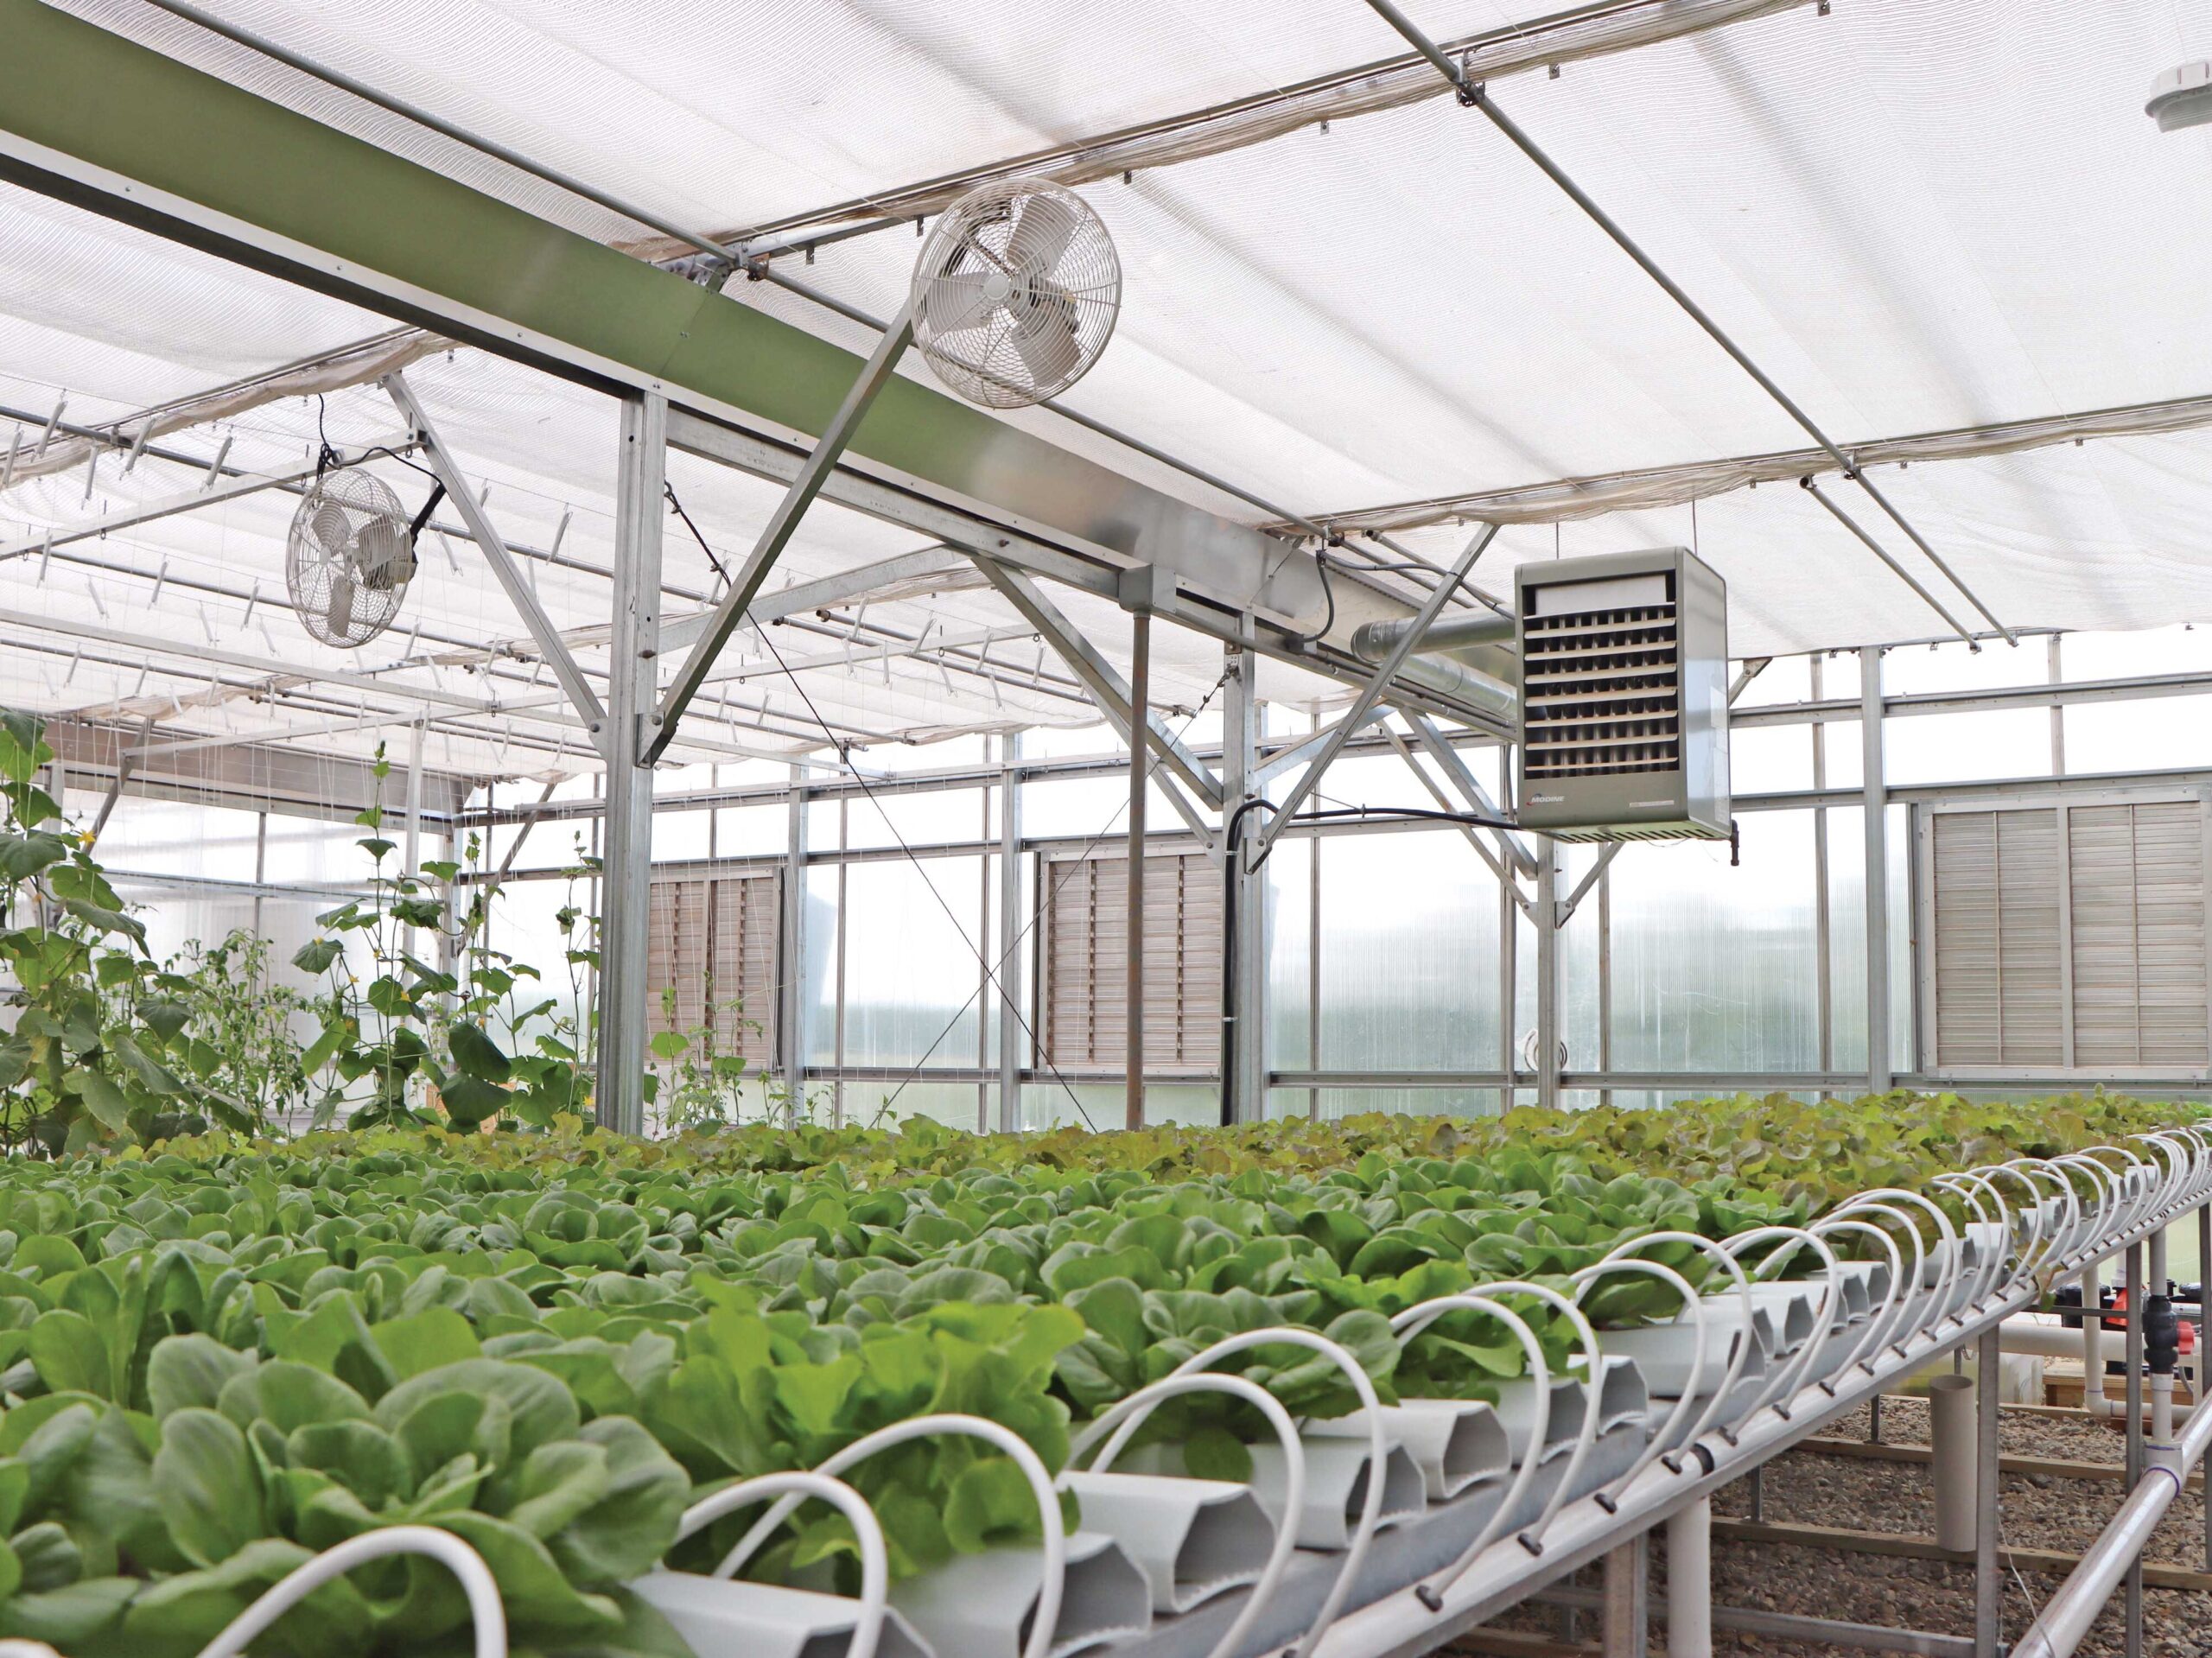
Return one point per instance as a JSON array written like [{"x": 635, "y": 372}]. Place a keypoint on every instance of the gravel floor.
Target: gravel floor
[{"x": 2038, "y": 1512}]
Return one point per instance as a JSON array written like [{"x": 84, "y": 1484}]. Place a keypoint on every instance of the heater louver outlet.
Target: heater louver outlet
[{"x": 1623, "y": 697}]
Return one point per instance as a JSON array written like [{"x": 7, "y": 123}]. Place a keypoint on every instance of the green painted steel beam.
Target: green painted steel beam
[{"x": 92, "y": 118}]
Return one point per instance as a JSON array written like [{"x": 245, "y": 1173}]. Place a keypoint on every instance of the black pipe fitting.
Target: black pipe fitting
[{"x": 2161, "y": 1336}]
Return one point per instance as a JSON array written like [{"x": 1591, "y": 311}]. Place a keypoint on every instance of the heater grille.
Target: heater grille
[{"x": 1604, "y": 690}]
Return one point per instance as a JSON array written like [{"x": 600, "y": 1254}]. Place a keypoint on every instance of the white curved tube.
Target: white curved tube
[
  {"x": 2060, "y": 1242},
  {"x": 1039, "y": 1643},
  {"x": 2099, "y": 1222},
  {"x": 1897, "y": 1312},
  {"x": 1140, "y": 1404},
  {"x": 1969, "y": 1186},
  {"x": 1735, "y": 1268},
  {"x": 1862, "y": 1353},
  {"x": 1589, "y": 1276},
  {"x": 1948, "y": 1277},
  {"x": 2030, "y": 1255},
  {"x": 485, "y": 1610},
  {"x": 1787, "y": 1385},
  {"x": 1370, "y": 1513},
  {"x": 1593, "y": 1405},
  {"x": 876, "y": 1560},
  {"x": 1426, "y": 1313}
]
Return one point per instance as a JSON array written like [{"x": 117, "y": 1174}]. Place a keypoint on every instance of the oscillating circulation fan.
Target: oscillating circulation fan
[
  {"x": 1015, "y": 293},
  {"x": 350, "y": 557}
]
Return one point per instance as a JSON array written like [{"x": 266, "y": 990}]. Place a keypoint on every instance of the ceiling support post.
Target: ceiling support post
[
  {"x": 1133, "y": 934},
  {"x": 1244, "y": 911},
  {"x": 1875, "y": 798},
  {"x": 1012, "y": 1028},
  {"x": 626, "y": 881},
  {"x": 1549, "y": 860}
]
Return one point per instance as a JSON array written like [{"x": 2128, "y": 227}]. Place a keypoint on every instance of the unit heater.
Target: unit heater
[{"x": 1623, "y": 720}]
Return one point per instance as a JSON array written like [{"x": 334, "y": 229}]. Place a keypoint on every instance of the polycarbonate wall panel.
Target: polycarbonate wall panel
[
  {"x": 911, "y": 972},
  {"x": 1713, "y": 967},
  {"x": 1409, "y": 954}
]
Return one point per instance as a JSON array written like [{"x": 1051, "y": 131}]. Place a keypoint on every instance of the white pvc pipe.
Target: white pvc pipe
[
  {"x": 2067, "y": 1616},
  {"x": 1790, "y": 1380},
  {"x": 1039, "y": 1643},
  {"x": 485, "y": 1610},
  {"x": 1140, "y": 1404},
  {"x": 1690, "y": 1581},
  {"x": 1951, "y": 1436},
  {"x": 876, "y": 1560}
]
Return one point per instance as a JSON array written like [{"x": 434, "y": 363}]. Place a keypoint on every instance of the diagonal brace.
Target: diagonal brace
[
  {"x": 1306, "y": 748},
  {"x": 821, "y": 461},
  {"x": 1371, "y": 693},
  {"x": 519, "y": 590},
  {"x": 1478, "y": 798},
  {"x": 1107, "y": 687},
  {"x": 1573, "y": 900},
  {"x": 1497, "y": 865}
]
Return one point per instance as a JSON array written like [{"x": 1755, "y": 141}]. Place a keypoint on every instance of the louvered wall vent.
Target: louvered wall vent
[{"x": 1625, "y": 697}]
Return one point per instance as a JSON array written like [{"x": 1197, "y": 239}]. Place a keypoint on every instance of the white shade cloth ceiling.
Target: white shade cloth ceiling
[{"x": 1918, "y": 215}]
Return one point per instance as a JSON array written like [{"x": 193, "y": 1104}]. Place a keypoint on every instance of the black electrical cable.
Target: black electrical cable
[{"x": 990, "y": 979}]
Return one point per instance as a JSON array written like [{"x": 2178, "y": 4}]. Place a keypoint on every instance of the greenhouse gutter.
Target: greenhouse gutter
[{"x": 91, "y": 118}]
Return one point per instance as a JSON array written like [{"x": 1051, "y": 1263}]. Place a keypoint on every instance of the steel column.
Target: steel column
[
  {"x": 1874, "y": 794},
  {"x": 1245, "y": 1022},
  {"x": 791, "y": 1011},
  {"x": 1548, "y": 859},
  {"x": 1010, "y": 932},
  {"x": 1133, "y": 926},
  {"x": 411, "y": 864},
  {"x": 2132, "y": 1638},
  {"x": 627, "y": 904},
  {"x": 1988, "y": 1581}
]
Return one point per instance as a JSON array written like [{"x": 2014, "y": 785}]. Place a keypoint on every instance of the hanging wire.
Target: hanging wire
[
  {"x": 842, "y": 749},
  {"x": 1037, "y": 914}
]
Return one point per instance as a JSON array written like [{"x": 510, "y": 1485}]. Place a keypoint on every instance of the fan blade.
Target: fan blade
[
  {"x": 1040, "y": 235},
  {"x": 337, "y": 613},
  {"x": 956, "y": 301},
  {"x": 330, "y": 525},
  {"x": 1044, "y": 334}
]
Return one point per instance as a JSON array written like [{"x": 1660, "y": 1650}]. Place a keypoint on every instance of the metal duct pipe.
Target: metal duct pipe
[
  {"x": 1374, "y": 640},
  {"x": 2068, "y": 1615},
  {"x": 1446, "y": 678},
  {"x": 1951, "y": 1432}
]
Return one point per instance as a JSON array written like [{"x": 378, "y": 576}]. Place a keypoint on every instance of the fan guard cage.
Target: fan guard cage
[
  {"x": 1015, "y": 293},
  {"x": 348, "y": 558}
]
